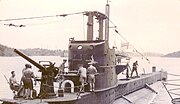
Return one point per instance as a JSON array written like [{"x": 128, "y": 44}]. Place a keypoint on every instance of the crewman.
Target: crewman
[
  {"x": 135, "y": 65},
  {"x": 27, "y": 80},
  {"x": 60, "y": 76},
  {"x": 26, "y": 67},
  {"x": 127, "y": 70},
  {"x": 62, "y": 66},
  {"x": 82, "y": 72},
  {"x": 13, "y": 84},
  {"x": 12, "y": 81},
  {"x": 91, "y": 71}
]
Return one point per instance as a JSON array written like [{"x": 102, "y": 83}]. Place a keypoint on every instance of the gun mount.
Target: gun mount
[{"x": 49, "y": 71}]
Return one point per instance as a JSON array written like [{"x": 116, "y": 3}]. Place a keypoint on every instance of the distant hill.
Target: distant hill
[
  {"x": 44, "y": 52},
  {"x": 143, "y": 54},
  {"x": 173, "y": 54},
  {"x": 7, "y": 51},
  {"x": 153, "y": 54},
  {"x": 147, "y": 54}
]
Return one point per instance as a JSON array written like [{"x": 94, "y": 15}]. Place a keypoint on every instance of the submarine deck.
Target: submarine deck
[
  {"x": 71, "y": 97},
  {"x": 68, "y": 97}
]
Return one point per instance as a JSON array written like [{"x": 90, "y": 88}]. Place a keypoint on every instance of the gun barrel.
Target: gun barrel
[{"x": 30, "y": 60}]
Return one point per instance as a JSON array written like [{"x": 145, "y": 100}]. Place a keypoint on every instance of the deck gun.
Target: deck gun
[{"x": 49, "y": 71}]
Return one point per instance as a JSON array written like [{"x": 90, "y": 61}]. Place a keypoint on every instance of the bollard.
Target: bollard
[{"x": 154, "y": 69}]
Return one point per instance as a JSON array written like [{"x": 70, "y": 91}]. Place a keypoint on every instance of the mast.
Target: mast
[
  {"x": 107, "y": 12},
  {"x": 100, "y": 17},
  {"x": 90, "y": 25},
  {"x": 101, "y": 27}
]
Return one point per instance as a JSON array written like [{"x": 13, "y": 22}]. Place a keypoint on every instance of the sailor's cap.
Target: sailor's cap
[
  {"x": 27, "y": 65},
  {"x": 64, "y": 60},
  {"x": 90, "y": 63}
]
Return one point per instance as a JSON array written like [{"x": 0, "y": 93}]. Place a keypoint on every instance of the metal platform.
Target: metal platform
[
  {"x": 68, "y": 97},
  {"x": 104, "y": 96}
]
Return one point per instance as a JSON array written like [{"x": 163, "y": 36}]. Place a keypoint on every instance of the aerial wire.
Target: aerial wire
[
  {"x": 40, "y": 17},
  {"x": 37, "y": 17},
  {"x": 63, "y": 15},
  {"x": 135, "y": 50}
]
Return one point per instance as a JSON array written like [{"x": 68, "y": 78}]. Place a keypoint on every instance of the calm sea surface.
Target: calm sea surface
[{"x": 7, "y": 64}]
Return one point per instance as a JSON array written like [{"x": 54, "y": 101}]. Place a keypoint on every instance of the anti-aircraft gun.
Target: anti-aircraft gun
[{"x": 49, "y": 71}]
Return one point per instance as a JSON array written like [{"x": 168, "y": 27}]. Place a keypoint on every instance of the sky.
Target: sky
[{"x": 149, "y": 25}]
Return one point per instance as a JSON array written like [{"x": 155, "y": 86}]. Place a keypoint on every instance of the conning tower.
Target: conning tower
[{"x": 82, "y": 52}]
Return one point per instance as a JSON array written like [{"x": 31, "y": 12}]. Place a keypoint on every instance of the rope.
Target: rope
[
  {"x": 40, "y": 17},
  {"x": 174, "y": 93},
  {"x": 172, "y": 84},
  {"x": 173, "y": 80},
  {"x": 65, "y": 87},
  {"x": 167, "y": 90},
  {"x": 174, "y": 89},
  {"x": 173, "y": 74}
]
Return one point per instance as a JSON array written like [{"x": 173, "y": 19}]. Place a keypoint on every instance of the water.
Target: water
[{"x": 7, "y": 64}]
